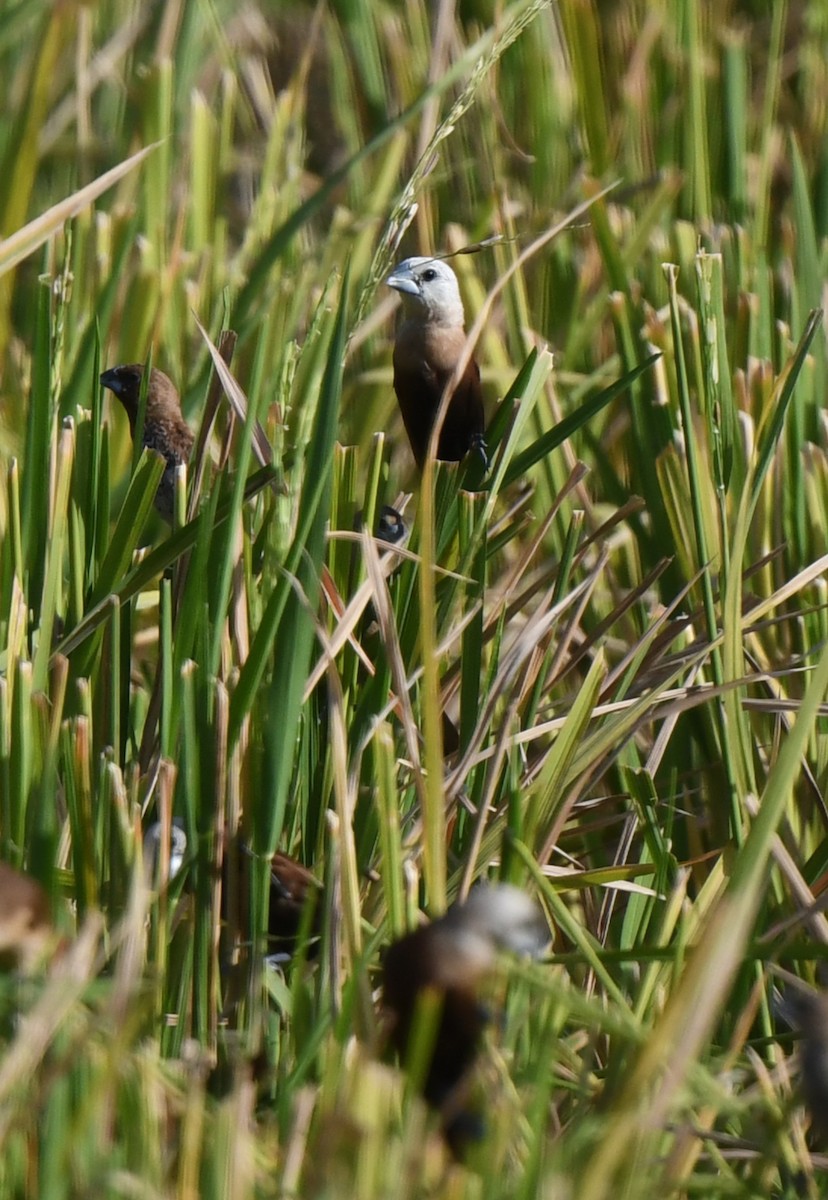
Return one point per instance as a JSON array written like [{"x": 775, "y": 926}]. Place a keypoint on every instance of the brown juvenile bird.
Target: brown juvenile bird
[
  {"x": 165, "y": 430},
  {"x": 292, "y": 889},
  {"x": 451, "y": 958},
  {"x": 25, "y": 919},
  {"x": 427, "y": 348}
]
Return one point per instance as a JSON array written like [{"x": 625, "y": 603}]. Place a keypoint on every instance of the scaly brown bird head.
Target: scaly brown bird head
[
  {"x": 429, "y": 291},
  {"x": 162, "y": 397},
  {"x": 165, "y": 430}
]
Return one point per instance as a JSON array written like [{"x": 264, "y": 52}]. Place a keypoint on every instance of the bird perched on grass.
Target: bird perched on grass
[
  {"x": 390, "y": 525},
  {"x": 165, "y": 429},
  {"x": 428, "y": 346},
  {"x": 450, "y": 959}
]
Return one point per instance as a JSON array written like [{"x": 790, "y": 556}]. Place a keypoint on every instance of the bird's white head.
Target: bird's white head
[
  {"x": 429, "y": 290},
  {"x": 503, "y": 914},
  {"x": 152, "y": 849}
]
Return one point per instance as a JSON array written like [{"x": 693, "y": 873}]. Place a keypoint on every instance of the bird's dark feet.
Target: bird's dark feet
[{"x": 477, "y": 445}]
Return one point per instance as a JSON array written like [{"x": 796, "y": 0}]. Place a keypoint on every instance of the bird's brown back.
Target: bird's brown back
[{"x": 292, "y": 888}]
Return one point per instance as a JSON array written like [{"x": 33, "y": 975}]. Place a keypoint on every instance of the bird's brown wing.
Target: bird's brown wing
[
  {"x": 464, "y": 424},
  {"x": 418, "y": 396}
]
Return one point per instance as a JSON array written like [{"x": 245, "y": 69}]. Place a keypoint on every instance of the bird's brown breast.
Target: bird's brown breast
[
  {"x": 431, "y": 958},
  {"x": 170, "y": 436},
  {"x": 425, "y": 355}
]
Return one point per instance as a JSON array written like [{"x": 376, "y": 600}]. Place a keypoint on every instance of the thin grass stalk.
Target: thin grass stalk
[
  {"x": 51, "y": 600},
  {"x": 14, "y": 531},
  {"x": 391, "y": 849},
  {"x": 117, "y": 684},
  {"x": 698, "y": 504},
  {"x": 770, "y": 102},
  {"x": 20, "y": 758}
]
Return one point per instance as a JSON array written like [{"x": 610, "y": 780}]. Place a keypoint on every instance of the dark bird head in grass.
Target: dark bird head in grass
[
  {"x": 427, "y": 349},
  {"x": 165, "y": 429},
  {"x": 449, "y": 960},
  {"x": 391, "y": 527}
]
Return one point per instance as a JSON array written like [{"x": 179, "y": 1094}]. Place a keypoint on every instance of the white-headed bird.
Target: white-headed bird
[
  {"x": 428, "y": 346},
  {"x": 451, "y": 958}
]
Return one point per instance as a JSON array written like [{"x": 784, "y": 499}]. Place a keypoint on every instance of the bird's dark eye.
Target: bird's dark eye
[{"x": 429, "y": 275}]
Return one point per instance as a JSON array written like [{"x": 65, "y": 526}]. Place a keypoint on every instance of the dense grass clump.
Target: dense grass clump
[{"x": 598, "y": 672}]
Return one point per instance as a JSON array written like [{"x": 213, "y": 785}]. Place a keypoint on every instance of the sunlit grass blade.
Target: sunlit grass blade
[{"x": 570, "y": 425}]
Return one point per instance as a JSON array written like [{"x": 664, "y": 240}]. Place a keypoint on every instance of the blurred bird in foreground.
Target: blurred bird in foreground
[
  {"x": 26, "y": 929},
  {"x": 449, "y": 960},
  {"x": 807, "y": 1011},
  {"x": 165, "y": 429},
  {"x": 428, "y": 346}
]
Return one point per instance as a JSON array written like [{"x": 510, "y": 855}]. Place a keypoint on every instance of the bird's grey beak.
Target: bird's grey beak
[
  {"x": 112, "y": 380},
  {"x": 404, "y": 283}
]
